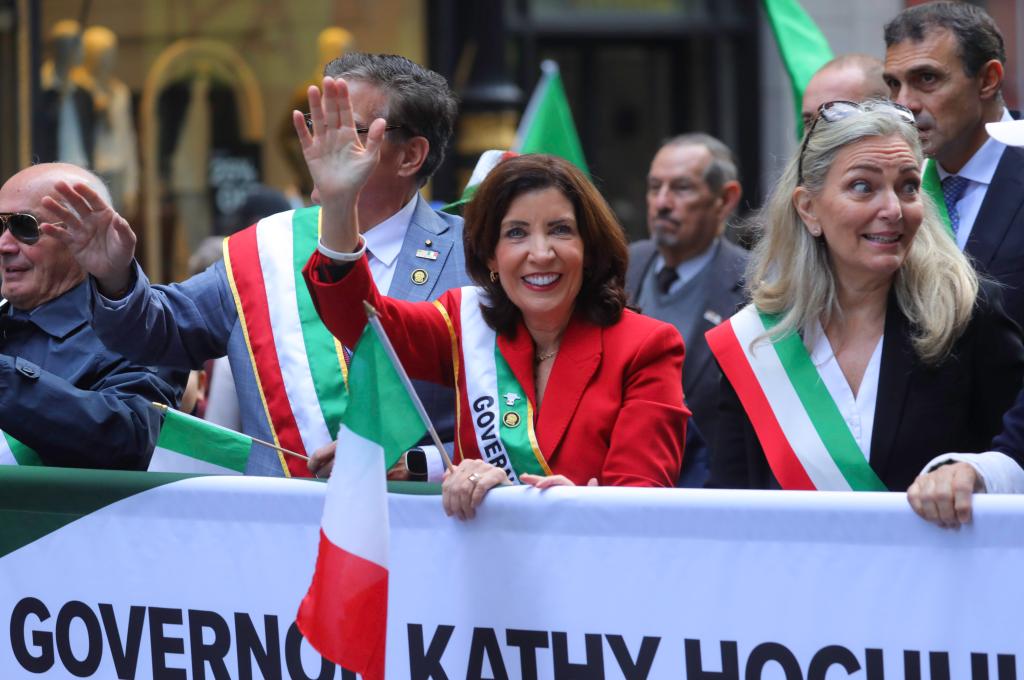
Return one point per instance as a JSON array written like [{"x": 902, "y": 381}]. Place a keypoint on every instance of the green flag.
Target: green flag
[
  {"x": 13, "y": 452},
  {"x": 547, "y": 125},
  {"x": 189, "y": 444},
  {"x": 380, "y": 408},
  {"x": 802, "y": 46}
]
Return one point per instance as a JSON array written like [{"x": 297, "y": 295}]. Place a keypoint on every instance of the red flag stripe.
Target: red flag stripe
[
  {"x": 783, "y": 460},
  {"x": 250, "y": 292},
  {"x": 344, "y": 614}
]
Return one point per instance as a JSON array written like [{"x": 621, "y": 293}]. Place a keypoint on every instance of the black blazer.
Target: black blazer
[
  {"x": 920, "y": 412},
  {"x": 996, "y": 243}
]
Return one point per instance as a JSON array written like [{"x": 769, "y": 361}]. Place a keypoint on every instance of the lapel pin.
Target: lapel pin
[
  {"x": 712, "y": 317},
  {"x": 511, "y": 419},
  {"x": 419, "y": 276},
  {"x": 428, "y": 243},
  {"x": 427, "y": 254}
]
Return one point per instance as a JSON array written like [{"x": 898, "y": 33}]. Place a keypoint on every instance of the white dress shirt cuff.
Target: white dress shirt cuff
[
  {"x": 339, "y": 256},
  {"x": 998, "y": 472},
  {"x": 435, "y": 463}
]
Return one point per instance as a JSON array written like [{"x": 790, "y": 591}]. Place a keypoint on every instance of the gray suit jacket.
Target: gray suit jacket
[
  {"x": 185, "y": 324},
  {"x": 700, "y": 373}
]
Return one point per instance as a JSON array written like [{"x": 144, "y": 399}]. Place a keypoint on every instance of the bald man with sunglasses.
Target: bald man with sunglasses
[{"x": 64, "y": 398}]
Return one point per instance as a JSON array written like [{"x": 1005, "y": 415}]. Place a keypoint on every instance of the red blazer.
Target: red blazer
[{"x": 613, "y": 408}]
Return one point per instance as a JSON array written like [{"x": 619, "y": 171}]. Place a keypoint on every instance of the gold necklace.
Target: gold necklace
[{"x": 541, "y": 358}]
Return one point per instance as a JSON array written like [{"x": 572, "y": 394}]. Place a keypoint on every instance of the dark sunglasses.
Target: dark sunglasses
[
  {"x": 835, "y": 111},
  {"x": 23, "y": 226},
  {"x": 359, "y": 130}
]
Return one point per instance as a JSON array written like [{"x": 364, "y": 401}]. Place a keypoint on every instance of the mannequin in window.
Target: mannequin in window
[
  {"x": 64, "y": 107},
  {"x": 115, "y": 152}
]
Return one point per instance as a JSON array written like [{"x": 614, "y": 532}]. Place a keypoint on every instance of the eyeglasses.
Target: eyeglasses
[
  {"x": 361, "y": 131},
  {"x": 23, "y": 226},
  {"x": 832, "y": 112}
]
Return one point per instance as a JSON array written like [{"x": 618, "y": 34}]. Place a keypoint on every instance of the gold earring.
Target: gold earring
[{"x": 494, "y": 277}]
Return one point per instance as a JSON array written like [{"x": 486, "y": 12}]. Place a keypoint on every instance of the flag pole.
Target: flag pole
[
  {"x": 373, "y": 317},
  {"x": 163, "y": 408}
]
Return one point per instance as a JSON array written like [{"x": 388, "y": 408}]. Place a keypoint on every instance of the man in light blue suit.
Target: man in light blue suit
[{"x": 415, "y": 254}]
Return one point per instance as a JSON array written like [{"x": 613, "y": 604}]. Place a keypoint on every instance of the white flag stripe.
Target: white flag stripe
[
  {"x": 356, "y": 498},
  {"x": 166, "y": 460},
  {"x": 478, "y": 346},
  {"x": 488, "y": 161},
  {"x": 6, "y": 455},
  {"x": 274, "y": 241},
  {"x": 786, "y": 405}
]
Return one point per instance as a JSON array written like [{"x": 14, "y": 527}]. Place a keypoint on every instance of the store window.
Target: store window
[{"x": 184, "y": 107}]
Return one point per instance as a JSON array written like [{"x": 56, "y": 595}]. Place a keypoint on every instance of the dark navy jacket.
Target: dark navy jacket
[{"x": 63, "y": 394}]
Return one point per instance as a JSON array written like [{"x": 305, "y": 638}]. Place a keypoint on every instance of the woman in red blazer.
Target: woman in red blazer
[{"x": 558, "y": 383}]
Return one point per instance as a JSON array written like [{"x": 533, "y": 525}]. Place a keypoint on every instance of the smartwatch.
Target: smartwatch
[{"x": 416, "y": 462}]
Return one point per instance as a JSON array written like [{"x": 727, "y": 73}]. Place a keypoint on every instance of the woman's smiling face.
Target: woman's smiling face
[{"x": 539, "y": 257}]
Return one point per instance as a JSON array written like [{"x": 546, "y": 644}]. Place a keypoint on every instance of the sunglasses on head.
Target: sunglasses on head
[
  {"x": 359, "y": 130},
  {"x": 835, "y": 111},
  {"x": 23, "y": 226}
]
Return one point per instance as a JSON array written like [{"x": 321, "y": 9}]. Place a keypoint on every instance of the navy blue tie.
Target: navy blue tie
[{"x": 953, "y": 188}]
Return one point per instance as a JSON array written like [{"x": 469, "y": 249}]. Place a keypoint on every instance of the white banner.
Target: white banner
[{"x": 201, "y": 578}]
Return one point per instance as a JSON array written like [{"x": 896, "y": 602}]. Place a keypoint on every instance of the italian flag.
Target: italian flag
[
  {"x": 802, "y": 46},
  {"x": 488, "y": 161},
  {"x": 190, "y": 444},
  {"x": 547, "y": 125},
  {"x": 804, "y": 436},
  {"x": 13, "y": 452},
  {"x": 344, "y": 614}
]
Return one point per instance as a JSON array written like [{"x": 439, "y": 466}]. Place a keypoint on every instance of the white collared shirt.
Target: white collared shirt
[
  {"x": 384, "y": 243},
  {"x": 979, "y": 170},
  {"x": 857, "y": 410},
  {"x": 690, "y": 268}
]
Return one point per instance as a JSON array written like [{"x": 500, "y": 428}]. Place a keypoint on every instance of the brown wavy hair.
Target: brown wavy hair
[{"x": 602, "y": 295}]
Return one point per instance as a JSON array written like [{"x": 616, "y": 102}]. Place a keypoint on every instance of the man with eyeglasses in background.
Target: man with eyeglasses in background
[
  {"x": 253, "y": 306},
  {"x": 945, "y": 62},
  {"x": 65, "y": 399}
]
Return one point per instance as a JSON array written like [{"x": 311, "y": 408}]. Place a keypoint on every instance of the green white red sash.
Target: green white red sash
[
  {"x": 299, "y": 366},
  {"x": 13, "y": 452},
  {"x": 804, "y": 436},
  {"x": 502, "y": 413}
]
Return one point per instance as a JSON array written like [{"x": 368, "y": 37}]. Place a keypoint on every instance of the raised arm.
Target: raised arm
[{"x": 339, "y": 163}]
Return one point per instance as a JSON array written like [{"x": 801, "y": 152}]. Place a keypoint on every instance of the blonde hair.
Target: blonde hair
[{"x": 790, "y": 273}]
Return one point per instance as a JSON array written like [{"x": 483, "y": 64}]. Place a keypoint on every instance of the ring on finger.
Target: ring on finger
[{"x": 474, "y": 478}]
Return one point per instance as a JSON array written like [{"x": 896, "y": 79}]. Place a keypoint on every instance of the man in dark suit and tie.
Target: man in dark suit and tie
[
  {"x": 687, "y": 273},
  {"x": 945, "y": 62}
]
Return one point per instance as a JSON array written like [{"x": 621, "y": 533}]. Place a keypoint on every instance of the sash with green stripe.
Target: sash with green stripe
[
  {"x": 13, "y": 452},
  {"x": 291, "y": 350},
  {"x": 804, "y": 436},
  {"x": 502, "y": 413},
  {"x": 932, "y": 186}
]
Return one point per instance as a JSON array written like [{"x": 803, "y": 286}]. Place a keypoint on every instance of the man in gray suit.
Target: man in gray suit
[
  {"x": 287, "y": 372},
  {"x": 687, "y": 273}
]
